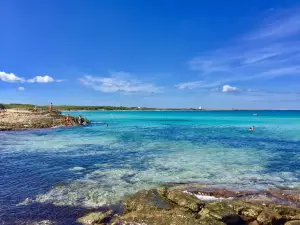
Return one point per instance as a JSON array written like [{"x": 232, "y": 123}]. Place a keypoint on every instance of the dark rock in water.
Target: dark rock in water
[
  {"x": 94, "y": 218},
  {"x": 222, "y": 211},
  {"x": 185, "y": 200},
  {"x": 147, "y": 200},
  {"x": 269, "y": 217}
]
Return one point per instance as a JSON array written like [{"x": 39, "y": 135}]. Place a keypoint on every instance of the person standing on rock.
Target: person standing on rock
[{"x": 51, "y": 107}]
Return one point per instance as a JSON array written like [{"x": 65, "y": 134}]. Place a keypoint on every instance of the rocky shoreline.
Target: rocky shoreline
[
  {"x": 18, "y": 120},
  {"x": 191, "y": 204}
]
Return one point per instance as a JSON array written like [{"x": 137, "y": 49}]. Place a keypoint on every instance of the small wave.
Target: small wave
[
  {"x": 99, "y": 123},
  {"x": 77, "y": 168},
  {"x": 59, "y": 126},
  {"x": 205, "y": 197}
]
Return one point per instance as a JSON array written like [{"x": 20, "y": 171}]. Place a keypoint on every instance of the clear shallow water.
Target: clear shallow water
[{"x": 58, "y": 173}]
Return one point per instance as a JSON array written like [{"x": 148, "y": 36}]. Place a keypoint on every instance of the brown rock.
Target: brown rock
[
  {"x": 253, "y": 223},
  {"x": 160, "y": 217},
  {"x": 210, "y": 221},
  {"x": 222, "y": 211},
  {"x": 185, "y": 200},
  {"x": 287, "y": 213},
  {"x": 293, "y": 222},
  {"x": 94, "y": 218},
  {"x": 247, "y": 209},
  {"x": 269, "y": 217},
  {"x": 147, "y": 200}
]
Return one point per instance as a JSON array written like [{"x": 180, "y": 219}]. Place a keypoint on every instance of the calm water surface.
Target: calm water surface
[{"x": 58, "y": 174}]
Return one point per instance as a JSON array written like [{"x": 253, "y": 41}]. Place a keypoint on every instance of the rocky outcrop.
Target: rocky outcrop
[
  {"x": 190, "y": 205},
  {"x": 24, "y": 119}
]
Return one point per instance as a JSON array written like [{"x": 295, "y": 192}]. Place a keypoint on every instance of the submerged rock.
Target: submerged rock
[{"x": 94, "y": 218}]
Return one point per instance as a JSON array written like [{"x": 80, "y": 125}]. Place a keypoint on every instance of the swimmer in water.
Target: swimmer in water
[{"x": 251, "y": 128}]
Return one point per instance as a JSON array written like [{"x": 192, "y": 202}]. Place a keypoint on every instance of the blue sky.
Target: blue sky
[{"x": 229, "y": 54}]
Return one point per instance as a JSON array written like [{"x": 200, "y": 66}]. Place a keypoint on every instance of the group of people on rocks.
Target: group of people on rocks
[
  {"x": 50, "y": 108},
  {"x": 68, "y": 121}
]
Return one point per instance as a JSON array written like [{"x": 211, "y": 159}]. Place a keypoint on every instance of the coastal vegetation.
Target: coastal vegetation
[
  {"x": 74, "y": 107},
  {"x": 69, "y": 107}
]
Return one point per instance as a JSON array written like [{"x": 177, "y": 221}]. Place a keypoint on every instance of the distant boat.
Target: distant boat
[{"x": 255, "y": 114}]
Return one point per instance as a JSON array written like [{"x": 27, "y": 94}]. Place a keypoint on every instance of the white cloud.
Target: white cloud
[
  {"x": 228, "y": 88},
  {"x": 21, "y": 89},
  {"x": 41, "y": 79},
  {"x": 10, "y": 77},
  {"x": 119, "y": 82},
  {"x": 189, "y": 85}
]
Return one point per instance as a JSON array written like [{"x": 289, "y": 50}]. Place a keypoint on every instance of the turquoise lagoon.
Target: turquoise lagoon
[{"x": 58, "y": 174}]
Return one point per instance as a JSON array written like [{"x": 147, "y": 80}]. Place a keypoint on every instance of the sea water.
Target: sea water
[{"x": 57, "y": 174}]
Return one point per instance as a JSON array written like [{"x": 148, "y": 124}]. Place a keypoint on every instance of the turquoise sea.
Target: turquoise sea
[{"x": 58, "y": 174}]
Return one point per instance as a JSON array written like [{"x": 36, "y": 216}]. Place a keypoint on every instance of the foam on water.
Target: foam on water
[
  {"x": 77, "y": 168},
  {"x": 206, "y": 197}
]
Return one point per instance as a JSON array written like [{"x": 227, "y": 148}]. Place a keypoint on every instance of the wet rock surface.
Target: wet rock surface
[{"x": 196, "y": 204}]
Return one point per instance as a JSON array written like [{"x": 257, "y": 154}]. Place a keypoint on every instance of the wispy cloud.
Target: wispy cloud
[
  {"x": 10, "y": 77},
  {"x": 269, "y": 52},
  {"x": 21, "y": 89},
  {"x": 119, "y": 82},
  {"x": 189, "y": 85},
  {"x": 279, "y": 24}
]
